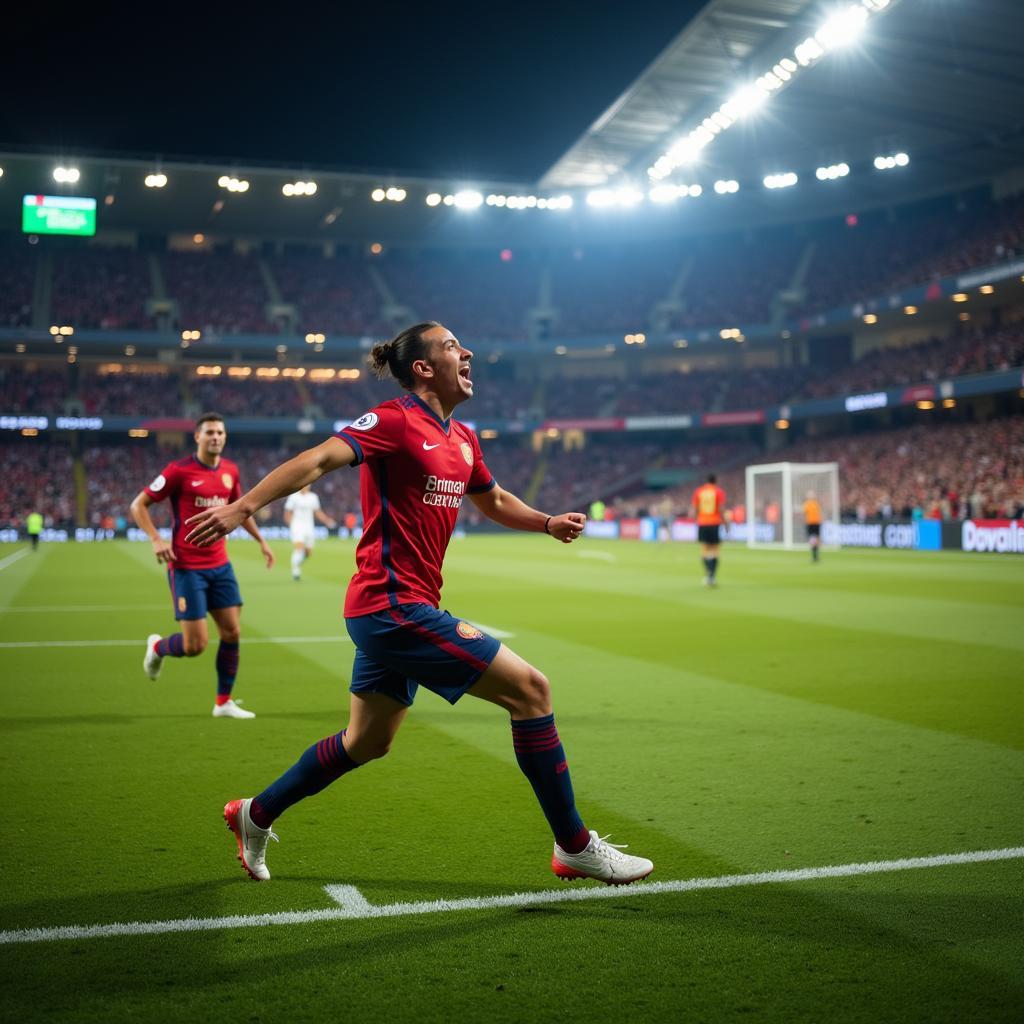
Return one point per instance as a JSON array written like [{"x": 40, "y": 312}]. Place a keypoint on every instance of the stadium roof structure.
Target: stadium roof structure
[{"x": 940, "y": 80}]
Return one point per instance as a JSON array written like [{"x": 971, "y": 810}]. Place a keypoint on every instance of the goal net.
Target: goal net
[{"x": 775, "y": 503}]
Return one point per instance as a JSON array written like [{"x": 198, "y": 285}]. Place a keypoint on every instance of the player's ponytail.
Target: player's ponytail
[{"x": 397, "y": 355}]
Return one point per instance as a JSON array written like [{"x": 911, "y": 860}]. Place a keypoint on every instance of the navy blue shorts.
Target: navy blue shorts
[
  {"x": 400, "y": 649},
  {"x": 196, "y": 591}
]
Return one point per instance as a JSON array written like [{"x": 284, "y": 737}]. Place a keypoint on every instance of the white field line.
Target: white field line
[
  {"x": 11, "y": 559},
  {"x": 499, "y": 634},
  {"x": 138, "y": 642},
  {"x": 352, "y": 906},
  {"x": 601, "y": 556},
  {"x": 83, "y": 608}
]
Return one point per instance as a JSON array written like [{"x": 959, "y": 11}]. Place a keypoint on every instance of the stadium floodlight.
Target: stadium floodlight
[
  {"x": 842, "y": 28},
  {"x": 395, "y": 195},
  {"x": 1, "y": 172},
  {"x": 299, "y": 188},
  {"x": 434, "y": 199},
  {"x": 887, "y": 163},
  {"x": 832, "y": 171},
  {"x": 66, "y": 175},
  {"x": 726, "y": 186},
  {"x": 233, "y": 184},
  {"x": 786, "y": 179},
  {"x": 155, "y": 180},
  {"x": 467, "y": 199},
  {"x": 449, "y": 200},
  {"x": 378, "y": 195},
  {"x": 624, "y": 196},
  {"x": 663, "y": 193}
]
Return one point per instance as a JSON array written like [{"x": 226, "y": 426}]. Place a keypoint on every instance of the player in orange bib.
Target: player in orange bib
[
  {"x": 812, "y": 520},
  {"x": 708, "y": 503}
]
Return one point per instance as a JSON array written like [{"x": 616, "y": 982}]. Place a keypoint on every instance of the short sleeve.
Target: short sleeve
[
  {"x": 480, "y": 479},
  {"x": 376, "y": 434},
  {"x": 316, "y": 501},
  {"x": 164, "y": 484},
  {"x": 289, "y": 502}
]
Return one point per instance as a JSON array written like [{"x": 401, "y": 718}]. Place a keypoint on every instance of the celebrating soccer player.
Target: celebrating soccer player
[
  {"x": 416, "y": 466},
  {"x": 709, "y": 503},
  {"x": 201, "y": 578},
  {"x": 299, "y": 510}
]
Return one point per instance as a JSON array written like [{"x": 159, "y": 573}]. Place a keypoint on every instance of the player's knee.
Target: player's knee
[
  {"x": 194, "y": 646},
  {"x": 533, "y": 695},
  {"x": 368, "y": 748},
  {"x": 231, "y": 636}
]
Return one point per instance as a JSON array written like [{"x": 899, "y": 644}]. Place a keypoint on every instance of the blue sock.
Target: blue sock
[
  {"x": 541, "y": 758},
  {"x": 172, "y": 646},
  {"x": 227, "y": 669},
  {"x": 318, "y": 767},
  {"x": 712, "y": 567}
]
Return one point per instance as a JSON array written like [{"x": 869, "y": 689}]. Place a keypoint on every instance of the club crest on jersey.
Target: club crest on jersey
[
  {"x": 467, "y": 453},
  {"x": 182, "y": 605},
  {"x": 365, "y": 422},
  {"x": 158, "y": 483},
  {"x": 225, "y": 479},
  {"x": 465, "y": 630}
]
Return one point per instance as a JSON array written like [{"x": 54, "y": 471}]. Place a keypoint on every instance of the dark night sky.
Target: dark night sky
[{"x": 447, "y": 89}]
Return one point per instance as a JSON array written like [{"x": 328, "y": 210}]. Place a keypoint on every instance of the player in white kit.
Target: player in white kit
[{"x": 299, "y": 510}]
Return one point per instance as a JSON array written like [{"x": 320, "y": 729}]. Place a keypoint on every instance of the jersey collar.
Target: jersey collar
[
  {"x": 445, "y": 425},
  {"x": 203, "y": 465}
]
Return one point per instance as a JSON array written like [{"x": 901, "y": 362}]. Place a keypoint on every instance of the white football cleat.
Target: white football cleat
[
  {"x": 229, "y": 709},
  {"x": 252, "y": 840},
  {"x": 601, "y": 860},
  {"x": 152, "y": 662}
]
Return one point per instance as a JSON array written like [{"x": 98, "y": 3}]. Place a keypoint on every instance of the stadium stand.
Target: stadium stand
[
  {"x": 219, "y": 291},
  {"x": 101, "y": 287}
]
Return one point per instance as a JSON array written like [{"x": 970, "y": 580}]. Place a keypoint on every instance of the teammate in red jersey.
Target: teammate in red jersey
[
  {"x": 416, "y": 465},
  {"x": 200, "y": 577}
]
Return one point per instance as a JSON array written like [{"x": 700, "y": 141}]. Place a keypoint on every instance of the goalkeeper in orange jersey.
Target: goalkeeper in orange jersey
[{"x": 812, "y": 522}]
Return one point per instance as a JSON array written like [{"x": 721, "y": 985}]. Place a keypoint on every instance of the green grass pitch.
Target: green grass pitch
[{"x": 865, "y": 709}]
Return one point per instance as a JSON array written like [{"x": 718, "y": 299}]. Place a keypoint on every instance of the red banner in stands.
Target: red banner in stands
[
  {"x": 919, "y": 393},
  {"x": 585, "y": 424},
  {"x": 629, "y": 529},
  {"x": 732, "y": 419}
]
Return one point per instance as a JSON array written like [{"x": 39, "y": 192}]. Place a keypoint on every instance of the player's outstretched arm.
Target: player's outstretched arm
[
  {"x": 306, "y": 468},
  {"x": 506, "y": 509}
]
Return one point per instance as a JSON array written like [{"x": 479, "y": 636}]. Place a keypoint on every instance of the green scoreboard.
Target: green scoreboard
[{"x": 58, "y": 215}]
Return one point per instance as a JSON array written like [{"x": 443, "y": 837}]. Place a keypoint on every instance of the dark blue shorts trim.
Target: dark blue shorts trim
[
  {"x": 197, "y": 591},
  {"x": 413, "y": 645}
]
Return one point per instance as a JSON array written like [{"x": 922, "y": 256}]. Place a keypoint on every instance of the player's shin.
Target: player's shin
[
  {"x": 319, "y": 766},
  {"x": 541, "y": 758},
  {"x": 227, "y": 670}
]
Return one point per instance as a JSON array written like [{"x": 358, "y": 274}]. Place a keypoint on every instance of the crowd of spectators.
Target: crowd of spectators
[
  {"x": 217, "y": 292},
  {"x": 32, "y": 390},
  {"x": 130, "y": 394},
  {"x": 101, "y": 287},
  {"x": 935, "y": 471},
  {"x": 707, "y": 281},
  {"x": 36, "y": 476},
  {"x": 17, "y": 281},
  {"x": 331, "y": 295}
]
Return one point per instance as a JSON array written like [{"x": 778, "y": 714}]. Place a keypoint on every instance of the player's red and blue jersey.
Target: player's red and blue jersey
[
  {"x": 414, "y": 471},
  {"x": 192, "y": 486}
]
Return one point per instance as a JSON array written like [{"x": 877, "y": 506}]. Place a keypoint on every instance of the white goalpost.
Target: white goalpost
[{"x": 776, "y": 493}]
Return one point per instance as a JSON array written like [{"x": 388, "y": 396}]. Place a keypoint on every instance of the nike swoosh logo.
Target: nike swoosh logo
[
  {"x": 429, "y": 447},
  {"x": 197, "y": 483}
]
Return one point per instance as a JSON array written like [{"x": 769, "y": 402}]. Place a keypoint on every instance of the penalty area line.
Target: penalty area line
[
  {"x": 351, "y": 905},
  {"x": 11, "y": 559}
]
